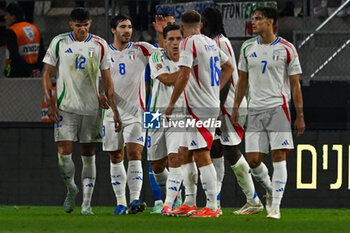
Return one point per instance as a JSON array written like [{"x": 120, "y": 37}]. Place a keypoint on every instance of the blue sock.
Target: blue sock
[
  {"x": 218, "y": 196},
  {"x": 156, "y": 190}
]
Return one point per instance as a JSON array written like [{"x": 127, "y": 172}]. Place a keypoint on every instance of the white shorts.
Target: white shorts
[
  {"x": 131, "y": 133},
  {"x": 271, "y": 128},
  {"x": 162, "y": 142},
  {"x": 232, "y": 135},
  {"x": 198, "y": 138},
  {"x": 74, "y": 127}
]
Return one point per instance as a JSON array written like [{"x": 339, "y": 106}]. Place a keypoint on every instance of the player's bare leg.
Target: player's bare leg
[
  {"x": 67, "y": 170},
  {"x": 160, "y": 174},
  {"x": 135, "y": 177},
  {"x": 279, "y": 180},
  {"x": 118, "y": 180},
  {"x": 241, "y": 169},
  {"x": 261, "y": 174}
]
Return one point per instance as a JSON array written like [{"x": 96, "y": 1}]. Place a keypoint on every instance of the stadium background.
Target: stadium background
[{"x": 318, "y": 168}]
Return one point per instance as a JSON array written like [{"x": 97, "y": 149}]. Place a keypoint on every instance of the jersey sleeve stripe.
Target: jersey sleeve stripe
[
  {"x": 285, "y": 107},
  {"x": 59, "y": 100},
  {"x": 202, "y": 130},
  {"x": 58, "y": 48},
  {"x": 144, "y": 50},
  {"x": 290, "y": 46},
  {"x": 288, "y": 55},
  {"x": 97, "y": 37},
  {"x": 194, "y": 50},
  {"x": 141, "y": 102},
  {"x": 102, "y": 51},
  {"x": 229, "y": 50},
  {"x": 195, "y": 70}
]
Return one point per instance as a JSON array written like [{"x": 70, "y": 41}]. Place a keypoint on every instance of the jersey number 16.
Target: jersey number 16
[{"x": 214, "y": 71}]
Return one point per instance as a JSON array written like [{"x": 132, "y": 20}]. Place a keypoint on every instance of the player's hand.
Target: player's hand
[
  {"x": 117, "y": 122},
  {"x": 299, "y": 125},
  {"x": 53, "y": 113},
  {"x": 235, "y": 116},
  {"x": 103, "y": 101},
  {"x": 169, "y": 111},
  {"x": 160, "y": 23}
]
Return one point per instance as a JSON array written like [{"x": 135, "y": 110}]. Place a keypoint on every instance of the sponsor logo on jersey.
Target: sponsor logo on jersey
[
  {"x": 29, "y": 31},
  {"x": 285, "y": 143},
  {"x": 151, "y": 120},
  {"x": 253, "y": 55},
  {"x": 69, "y": 50},
  {"x": 140, "y": 139},
  {"x": 193, "y": 143},
  {"x": 159, "y": 66}
]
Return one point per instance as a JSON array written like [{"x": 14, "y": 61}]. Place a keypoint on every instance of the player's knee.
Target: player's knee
[
  {"x": 278, "y": 155},
  {"x": 157, "y": 167},
  {"x": 174, "y": 160},
  {"x": 116, "y": 157},
  {"x": 134, "y": 155},
  {"x": 232, "y": 154},
  {"x": 253, "y": 163}
]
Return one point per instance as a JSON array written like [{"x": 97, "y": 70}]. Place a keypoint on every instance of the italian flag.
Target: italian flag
[
  {"x": 91, "y": 54},
  {"x": 275, "y": 58},
  {"x": 132, "y": 57}
]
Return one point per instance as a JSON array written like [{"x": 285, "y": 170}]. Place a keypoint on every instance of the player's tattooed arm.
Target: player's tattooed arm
[
  {"x": 168, "y": 79},
  {"x": 240, "y": 92},
  {"x": 109, "y": 90},
  {"x": 53, "y": 113},
  {"x": 299, "y": 124}
]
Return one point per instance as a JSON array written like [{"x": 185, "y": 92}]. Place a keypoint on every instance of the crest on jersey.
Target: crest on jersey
[
  {"x": 29, "y": 31},
  {"x": 91, "y": 51},
  {"x": 275, "y": 55},
  {"x": 159, "y": 66},
  {"x": 132, "y": 55}
]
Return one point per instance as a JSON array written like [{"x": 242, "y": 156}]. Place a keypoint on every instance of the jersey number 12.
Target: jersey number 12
[{"x": 79, "y": 62}]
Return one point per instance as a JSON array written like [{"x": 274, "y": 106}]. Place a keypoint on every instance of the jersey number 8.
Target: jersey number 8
[{"x": 122, "y": 68}]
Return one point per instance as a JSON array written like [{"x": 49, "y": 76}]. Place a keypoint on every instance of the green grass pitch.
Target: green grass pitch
[{"x": 53, "y": 219}]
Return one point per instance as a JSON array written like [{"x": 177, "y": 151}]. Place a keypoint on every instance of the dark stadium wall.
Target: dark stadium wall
[{"x": 29, "y": 173}]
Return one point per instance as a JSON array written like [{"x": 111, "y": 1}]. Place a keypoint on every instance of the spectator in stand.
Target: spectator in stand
[{"x": 24, "y": 47}]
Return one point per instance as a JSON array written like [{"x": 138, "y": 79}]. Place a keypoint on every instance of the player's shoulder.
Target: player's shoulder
[
  {"x": 144, "y": 47},
  {"x": 93, "y": 37},
  {"x": 250, "y": 42},
  {"x": 59, "y": 38},
  {"x": 283, "y": 41},
  {"x": 157, "y": 56},
  {"x": 287, "y": 45}
]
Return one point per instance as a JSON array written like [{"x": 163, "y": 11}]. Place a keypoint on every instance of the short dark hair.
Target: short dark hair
[
  {"x": 79, "y": 15},
  {"x": 191, "y": 16},
  {"x": 165, "y": 14},
  {"x": 212, "y": 20},
  {"x": 171, "y": 27},
  {"x": 15, "y": 9},
  {"x": 117, "y": 19},
  {"x": 268, "y": 12}
]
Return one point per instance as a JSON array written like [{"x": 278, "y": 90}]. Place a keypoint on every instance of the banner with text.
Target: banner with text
[{"x": 237, "y": 17}]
